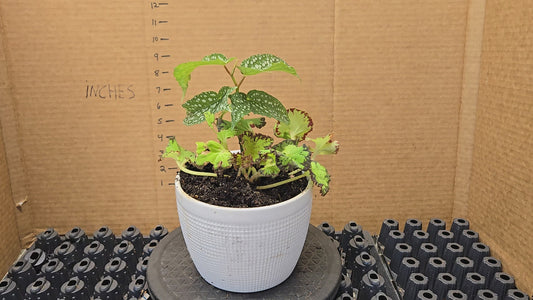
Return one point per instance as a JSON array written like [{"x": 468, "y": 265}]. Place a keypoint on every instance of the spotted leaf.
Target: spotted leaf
[
  {"x": 264, "y": 63},
  {"x": 182, "y": 72},
  {"x": 266, "y": 105},
  {"x": 240, "y": 107},
  {"x": 206, "y": 102}
]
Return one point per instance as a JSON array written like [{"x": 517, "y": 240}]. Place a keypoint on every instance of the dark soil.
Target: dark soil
[{"x": 236, "y": 191}]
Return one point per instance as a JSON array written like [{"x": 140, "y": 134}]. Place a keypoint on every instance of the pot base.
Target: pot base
[{"x": 171, "y": 273}]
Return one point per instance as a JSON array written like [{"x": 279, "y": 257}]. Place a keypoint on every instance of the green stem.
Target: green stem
[
  {"x": 239, "y": 85},
  {"x": 273, "y": 185},
  {"x": 231, "y": 75},
  {"x": 295, "y": 171},
  {"x": 196, "y": 173}
]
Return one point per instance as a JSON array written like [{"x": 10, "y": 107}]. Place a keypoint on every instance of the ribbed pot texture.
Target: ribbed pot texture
[{"x": 244, "y": 249}]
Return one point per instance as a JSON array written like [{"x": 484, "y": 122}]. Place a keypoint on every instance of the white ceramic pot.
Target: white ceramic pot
[{"x": 244, "y": 249}]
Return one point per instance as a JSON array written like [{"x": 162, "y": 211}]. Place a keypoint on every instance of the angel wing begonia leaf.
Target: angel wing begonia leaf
[
  {"x": 260, "y": 63},
  {"x": 182, "y": 72}
]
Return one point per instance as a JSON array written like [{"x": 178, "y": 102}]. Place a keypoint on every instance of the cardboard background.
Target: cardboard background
[
  {"x": 396, "y": 81},
  {"x": 501, "y": 199}
]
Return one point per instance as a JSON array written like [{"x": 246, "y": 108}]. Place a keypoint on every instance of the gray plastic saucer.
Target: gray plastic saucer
[{"x": 172, "y": 275}]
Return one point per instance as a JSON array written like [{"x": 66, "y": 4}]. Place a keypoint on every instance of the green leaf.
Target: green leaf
[
  {"x": 299, "y": 125},
  {"x": 320, "y": 177},
  {"x": 325, "y": 145},
  {"x": 244, "y": 125},
  {"x": 267, "y": 105},
  {"x": 200, "y": 147},
  {"x": 209, "y": 118},
  {"x": 254, "y": 144},
  {"x": 182, "y": 72},
  {"x": 206, "y": 102},
  {"x": 295, "y": 156},
  {"x": 269, "y": 166},
  {"x": 217, "y": 57},
  {"x": 224, "y": 135},
  {"x": 240, "y": 107},
  {"x": 215, "y": 154},
  {"x": 178, "y": 153},
  {"x": 264, "y": 63}
]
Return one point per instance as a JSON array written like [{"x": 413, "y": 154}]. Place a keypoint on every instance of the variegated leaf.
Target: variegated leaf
[
  {"x": 264, "y": 63},
  {"x": 182, "y": 72}
]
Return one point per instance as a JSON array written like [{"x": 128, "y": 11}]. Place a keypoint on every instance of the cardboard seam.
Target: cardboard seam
[
  {"x": 334, "y": 66},
  {"x": 9, "y": 124},
  {"x": 468, "y": 106}
]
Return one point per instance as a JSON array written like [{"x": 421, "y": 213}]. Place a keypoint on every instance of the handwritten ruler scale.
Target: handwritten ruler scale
[{"x": 163, "y": 92}]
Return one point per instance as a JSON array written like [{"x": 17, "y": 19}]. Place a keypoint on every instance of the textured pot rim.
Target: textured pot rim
[{"x": 237, "y": 209}]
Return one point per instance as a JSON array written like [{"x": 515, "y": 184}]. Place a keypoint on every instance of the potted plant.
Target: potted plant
[{"x": 245, "y": 213}]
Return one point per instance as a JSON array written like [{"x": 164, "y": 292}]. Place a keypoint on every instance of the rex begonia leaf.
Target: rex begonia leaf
[
  {"x": 255, "y": 144},
  {"x": 325, "y": 145},
  {"x": 299, "y": 125},
  {"x": 292, "y": 155},
  {"x": 224, "y": 135},
  {"x": 215, "y": 154},
  {"x": 212, "y": 102},
  {"x": 178, "y": 153},
  {"x": 320, "y": 177},
  {"x": 262, "y": 103},
  {"x": 244, "y": 125},
  {"x": 269, "y": 166},
  {"x": 264, "y": 63},
  {"x": 182, "y": 72}
]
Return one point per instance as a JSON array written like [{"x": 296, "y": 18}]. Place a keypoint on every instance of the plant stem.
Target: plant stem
[
  {"x": 196, "y": 173},
  {"x": 294, "y": 172},
  {"x": 232, "y": 77},
  {"x": 273, "y": 185},
  {"x": 239, "y": 85}
]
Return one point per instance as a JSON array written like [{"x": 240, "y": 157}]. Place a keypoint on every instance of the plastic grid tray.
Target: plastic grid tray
[{"x": 413, "y": 263}]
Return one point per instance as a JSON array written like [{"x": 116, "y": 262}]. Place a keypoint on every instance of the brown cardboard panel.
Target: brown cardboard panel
[
  {"x": 501, "y": 194},
  {"x": 88, "y": 159},
  {"x": 13, "y": 154},
  {"x": 398, "y": 72},
  {"x": 90, "y": 148},
  {"x": 9, "y": 235},
  {"x": 9, "y": 229}
]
